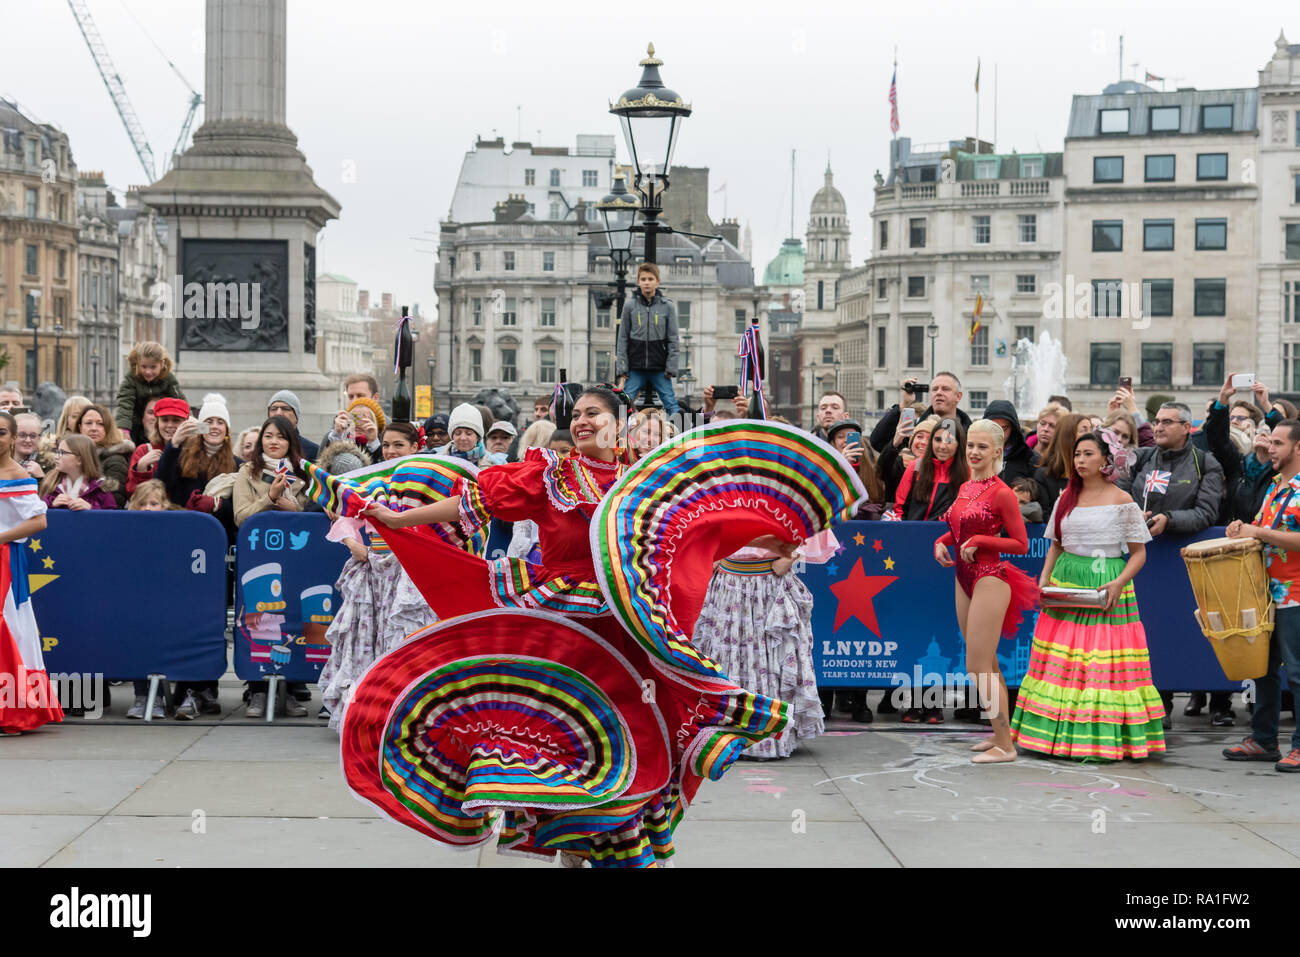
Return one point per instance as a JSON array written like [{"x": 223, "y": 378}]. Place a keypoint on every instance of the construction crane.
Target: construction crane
[{"x": 116, "y": 90}]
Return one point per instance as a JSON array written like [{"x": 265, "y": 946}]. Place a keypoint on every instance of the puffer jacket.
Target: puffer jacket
[
  {"x": 1195, "y": 487},
  {"x": 647, "y": 335},
  {"x": 115, "y": 460},
  {"x": 134, "y": 394}
]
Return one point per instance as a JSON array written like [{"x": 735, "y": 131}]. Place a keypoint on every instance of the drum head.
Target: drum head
[{"x": 1220, "y": 546}]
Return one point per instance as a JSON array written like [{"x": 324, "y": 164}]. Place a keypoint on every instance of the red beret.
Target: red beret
[{"x": 174, "y": 407}]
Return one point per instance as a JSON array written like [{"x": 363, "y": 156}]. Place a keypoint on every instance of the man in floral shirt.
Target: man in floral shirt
[{"x": 1278, "y": 526}]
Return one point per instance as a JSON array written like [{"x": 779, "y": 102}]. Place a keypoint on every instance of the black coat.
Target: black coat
[
  {"x": 1018, "y": 459},
  {"x": 883, "y": 433},
  {"x": 1244, "y": 484}
]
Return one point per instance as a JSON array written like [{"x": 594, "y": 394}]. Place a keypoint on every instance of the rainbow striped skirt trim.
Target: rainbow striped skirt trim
[{"x": 1088, "y": 692}]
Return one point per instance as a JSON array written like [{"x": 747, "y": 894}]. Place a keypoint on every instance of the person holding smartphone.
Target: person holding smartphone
[{"x": 945, "y": 393}]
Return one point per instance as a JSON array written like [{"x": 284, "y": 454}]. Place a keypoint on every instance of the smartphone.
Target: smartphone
[
  {"x": 854, "y": 437},
  {"x": 1243, "y": 380},
  {"x": 907, "y": 417},
  {"x": 1126, "y": 382},
  {"x": 725, "y": 392}
]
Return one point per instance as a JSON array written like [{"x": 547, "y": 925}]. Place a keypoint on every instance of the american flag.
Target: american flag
[
  {"x": 893, "y": 102},
  {"x": 1158, "y": 481}
]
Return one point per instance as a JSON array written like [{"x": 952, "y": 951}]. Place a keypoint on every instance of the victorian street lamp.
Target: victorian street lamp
[
  {"x": 618, "y": 211},
  {"x": 58, "y": 357},
  {"x": 34, "y": 320},
  {"x": 932, "y": 330},
  {"x": 651, "y": 116},
  {"x": 94, "y": 370}
]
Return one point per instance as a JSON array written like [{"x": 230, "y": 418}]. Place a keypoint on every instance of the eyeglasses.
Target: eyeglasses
[
  {"x": 64, "y": 452},
  {"x": 1169, "y": 421},
  {"x": 1238, "y": 418},
  {"x": 29, "y": 435}
]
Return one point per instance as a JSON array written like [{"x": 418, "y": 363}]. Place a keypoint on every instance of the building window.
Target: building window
[
  {"x": 29, "y": 151},
  {"x": 546, "y": 365},
  {"x": 1211, "y": 234},
  {"x": 1025, "y": 332},
  {"x": 739, "y": 316},
  {"x": 1211, "y": 297},
  {"x": 1160, "y": 169},
  {"x": 915, "y": 347},
  {"x": 880, "y": 398},
  {"x": 32, "y": 264},
  {"x": 881, "y": 333},
  {"x": 1157, "y": 297},
  {"x": 548, "y": 262},
  {"x": 602, "y": 366},
  {"x": 1031, "y": 167},
  {"x": 530, "y": 177},
  {"x": 979, "y": 347},
  {"x": 1165, "y": 119},
  {"x": 821, "y": 294},
  {"x": 589, "y": 177},
  {"x": 884, "y": 234},
  {"x": 478, "y": 262},
  {"x": 556, "y": 212},
  {"x": 31, "y": 202},
  {"x": 508, "y": 262},
  {"x": 983, "y": 230},
  {"x": 1207, "y": 363},
  {"x": 1291, "y": 366},
  {"x": 603, "y": 318},
  {"x": 63, "y": 264},
  {"x": 476, "y": 311},
  {"x": 555, "y": 177},
  {"x": 1218, "y": 117},
  {"x": 1297, "y": 127},
  {"x": 1157, "y": 363},
  {"x": 1104, "y": 364},
  {"x": 986, "y": 169},
  {"x": 1107, "y": 236},
  {"x": 979, "y": 400},
  {"x": 683, "y": 316},
  {"x": 915, "y": 287},
  {"x": 1211, "y": 165},
  {"x": 1157, "y": 234},
  {"x": 1108, "y": 169},
  {"x": 1026, "y": 283},
  {"x": 532, "y": 209},
  {"x": 1107, "y": 298},
  {"x": 1114, "y": 121},
  {"x": 916, "y": 233},
  {"x": 882, "y": 289},
  {"x": 31, "y": 369},
  {"x": 33, "y": 311},
  {"x": 510, "y": 315},
  {"x": 1028, "y": 223},
  {"x": 1292, "y": 241},
  {"x": 476, "y": 365},
  {"x": 508, "y": 371},
  {"x": 1291, "y": 302},
  {"x": 1297, "y": 188},
  {"x": 548, "y": 312},
  {"x": 979, "y": 284}
]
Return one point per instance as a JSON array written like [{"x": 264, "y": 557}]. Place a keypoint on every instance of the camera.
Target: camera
[
  {"x": 919, "y": 388},
  {"x": 725, "y": 392}
]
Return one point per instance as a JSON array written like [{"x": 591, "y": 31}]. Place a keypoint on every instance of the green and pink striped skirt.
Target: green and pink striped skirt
[{"x": 1088, "y": 692}]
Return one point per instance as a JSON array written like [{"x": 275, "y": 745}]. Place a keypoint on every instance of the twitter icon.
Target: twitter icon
[{"x": 298, "y": 540}]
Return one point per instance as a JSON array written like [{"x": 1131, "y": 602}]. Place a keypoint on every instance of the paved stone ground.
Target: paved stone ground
[{"x": 123, "y": 793}]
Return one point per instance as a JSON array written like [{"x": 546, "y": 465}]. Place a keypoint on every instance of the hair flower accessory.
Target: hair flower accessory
[{"x": 1120, "y": 455}]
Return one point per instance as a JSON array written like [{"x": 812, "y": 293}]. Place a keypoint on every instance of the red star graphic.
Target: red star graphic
[
  {"x": 854, "y": 596},
  {"x": 876, "y": 544}
]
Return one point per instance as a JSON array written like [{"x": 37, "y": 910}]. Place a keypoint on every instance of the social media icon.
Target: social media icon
[
  {"x": 274, "y": 540},
  {"x": 252, "y": 539},
  {"x": 298, "y": 540}
]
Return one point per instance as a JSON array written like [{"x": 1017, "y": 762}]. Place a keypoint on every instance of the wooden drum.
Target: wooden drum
[{"x": 1234, "y": 608}]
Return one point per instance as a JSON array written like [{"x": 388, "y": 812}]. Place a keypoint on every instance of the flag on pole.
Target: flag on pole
[
  {"x": 893, "y": 102},
  {"x": 1157, "y": 481},
  {"x": 975, "y": 315},
  {"x": 977, "y": 74},
  {"x": 1151, "y": 77}
]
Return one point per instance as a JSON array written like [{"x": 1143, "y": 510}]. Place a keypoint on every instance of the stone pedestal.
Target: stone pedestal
[{"x": 243, "y": 212}]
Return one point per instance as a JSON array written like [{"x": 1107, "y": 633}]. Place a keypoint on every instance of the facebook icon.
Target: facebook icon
[{"x": 252, "y": 539}]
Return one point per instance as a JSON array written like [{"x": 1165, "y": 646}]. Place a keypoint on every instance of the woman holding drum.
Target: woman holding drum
[{"x": 1088, "y": 692}]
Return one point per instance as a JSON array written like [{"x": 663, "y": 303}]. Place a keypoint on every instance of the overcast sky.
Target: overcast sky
[{"x": 400, "y": 89}]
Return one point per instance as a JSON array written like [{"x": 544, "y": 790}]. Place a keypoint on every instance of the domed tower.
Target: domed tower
[{"x": 827, "y": 252}]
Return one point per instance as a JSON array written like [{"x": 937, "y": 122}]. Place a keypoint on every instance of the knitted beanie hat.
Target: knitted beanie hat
[
  {"x": 214, "y": 406},
  {"x": 373, "y": 406},
  {"x": 465, "y": 416}
]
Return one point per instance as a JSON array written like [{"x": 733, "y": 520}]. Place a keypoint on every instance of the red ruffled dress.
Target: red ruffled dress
[{"x": 983, "y": 509}]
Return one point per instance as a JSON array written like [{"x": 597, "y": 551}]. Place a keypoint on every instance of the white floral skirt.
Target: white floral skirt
[
  {"x": 759, "y": 629},
  {"x": 381, "y": 607}
]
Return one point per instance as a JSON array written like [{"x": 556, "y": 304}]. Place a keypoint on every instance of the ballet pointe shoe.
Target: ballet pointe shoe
[
  {"x": 995, "y": 755},
  {"x": 982, "y": 745}
]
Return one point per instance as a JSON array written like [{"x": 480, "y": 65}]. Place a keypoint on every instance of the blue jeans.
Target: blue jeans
[
  {"x": 659, "y": 381},
  {"x": 1284, "y": 649}
]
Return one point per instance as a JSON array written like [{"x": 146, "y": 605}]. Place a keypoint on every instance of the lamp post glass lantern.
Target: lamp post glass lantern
[
  {"x": 618, "y": 212},
  {"x": 932, "y": 330},
  {"x": 651, "y": 116}
]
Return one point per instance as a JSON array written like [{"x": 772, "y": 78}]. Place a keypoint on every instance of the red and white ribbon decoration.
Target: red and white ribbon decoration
[{"x": 750, "y": 371}]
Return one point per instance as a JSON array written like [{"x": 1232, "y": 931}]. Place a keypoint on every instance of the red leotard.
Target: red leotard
[{"x": 982, "y": 509}]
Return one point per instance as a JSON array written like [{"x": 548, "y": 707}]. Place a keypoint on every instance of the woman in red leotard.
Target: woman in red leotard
[{"x": 992, "y": 594}]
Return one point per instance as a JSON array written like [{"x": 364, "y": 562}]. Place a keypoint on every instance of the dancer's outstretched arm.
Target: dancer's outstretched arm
[{"x": 448, "y": 510}]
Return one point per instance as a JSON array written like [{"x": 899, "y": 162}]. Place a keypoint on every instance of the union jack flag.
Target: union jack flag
[
  {"x": 893, "y": 102},
  {"x": 1158, "y": 481}
]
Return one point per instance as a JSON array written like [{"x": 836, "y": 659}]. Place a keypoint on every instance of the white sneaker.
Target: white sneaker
[
  {"x": 137, "y": 710},
  {"x": 256, "y": 706}
]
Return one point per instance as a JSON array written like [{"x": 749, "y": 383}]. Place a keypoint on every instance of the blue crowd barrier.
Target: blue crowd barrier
[
  {"x": 125, "y": 594},
  {"x": 884, "y": 612}
]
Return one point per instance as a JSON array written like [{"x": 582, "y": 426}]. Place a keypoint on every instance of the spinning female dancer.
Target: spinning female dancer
[
  {"x": 587, "y": 731},
  {"x": 992, "y": 594}
]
